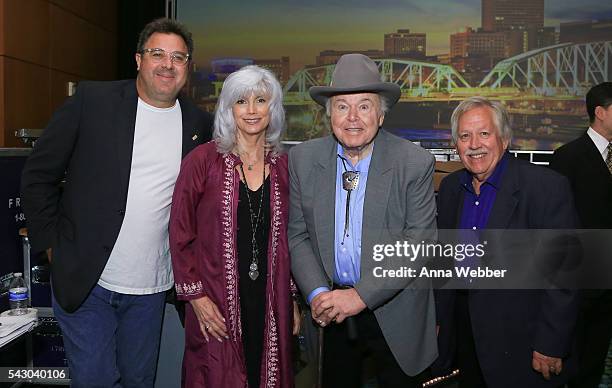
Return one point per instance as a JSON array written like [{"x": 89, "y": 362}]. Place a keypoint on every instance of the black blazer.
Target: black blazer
[
  {"x": 590, "y": 179},
  {"x": 509, "y": 324},
  {"x": 89, "y": 141}
]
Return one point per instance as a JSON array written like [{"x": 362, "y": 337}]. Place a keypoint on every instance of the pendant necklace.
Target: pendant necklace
[
  {"x": 255, "y": 221},
  {"x": 250, "y": 165}
]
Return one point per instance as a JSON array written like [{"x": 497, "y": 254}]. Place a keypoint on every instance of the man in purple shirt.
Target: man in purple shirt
[{"x": 502, "y": 338}]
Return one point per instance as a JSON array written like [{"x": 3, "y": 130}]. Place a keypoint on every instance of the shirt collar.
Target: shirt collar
[
  {"x": 493, "y": 180},
  {"x": 600, "y": 142},
  {"x": 363, "y": 165}
]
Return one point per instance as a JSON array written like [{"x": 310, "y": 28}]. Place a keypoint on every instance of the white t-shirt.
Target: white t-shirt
[{"x": 139, "y": 263}]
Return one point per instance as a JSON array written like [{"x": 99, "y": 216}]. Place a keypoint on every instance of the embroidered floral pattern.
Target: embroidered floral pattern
[
  {"x": 293, "y": 287},
  {"x": 189, "y": 289},
  {"x": 272, "y": 358},
  {"x": 231, "y": 278}
]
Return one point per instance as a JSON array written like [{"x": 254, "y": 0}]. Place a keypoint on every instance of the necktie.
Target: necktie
[{"x": 609, "y": 158}]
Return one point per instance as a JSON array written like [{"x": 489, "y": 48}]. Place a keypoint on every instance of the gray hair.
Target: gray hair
[
  {"x": 241, "y": 84},
  {"x": 501, "y": 118},
  {"x": 384, "y": 106}
]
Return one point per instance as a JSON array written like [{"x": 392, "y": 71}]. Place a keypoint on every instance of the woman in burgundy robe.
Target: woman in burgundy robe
[{"x": 229, "y": 243}]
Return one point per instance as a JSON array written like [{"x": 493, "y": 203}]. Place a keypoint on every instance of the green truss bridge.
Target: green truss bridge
[{"x": 561, "y": 71}]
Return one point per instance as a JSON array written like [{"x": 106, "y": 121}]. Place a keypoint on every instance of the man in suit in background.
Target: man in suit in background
[
  {"x": 385, "y": 184},
  {"x": 119, "y": 146},
  {"x": 587, "y": 163},
  {"x": 502, "y": 338}
]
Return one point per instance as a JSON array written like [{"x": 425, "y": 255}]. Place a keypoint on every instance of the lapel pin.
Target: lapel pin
[{"x": 194, "y": 137}]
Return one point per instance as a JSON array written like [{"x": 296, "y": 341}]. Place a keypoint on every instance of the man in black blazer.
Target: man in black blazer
[
  {"x": 587, "y": 163},
  {"x": 119, "y": 147},
  {"x": 502, "y": 338}
]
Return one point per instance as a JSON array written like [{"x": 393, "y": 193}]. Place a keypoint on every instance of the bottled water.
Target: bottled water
[{"x": 18, "y": 295}]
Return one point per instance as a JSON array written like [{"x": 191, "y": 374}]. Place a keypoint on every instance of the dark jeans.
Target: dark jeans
[
  {"x": 112, "y": 340},
  {"x": 343, "y": 356}
]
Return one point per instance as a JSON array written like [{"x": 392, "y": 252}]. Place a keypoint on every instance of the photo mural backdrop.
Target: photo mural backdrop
[{"x": 539, "y": 57}]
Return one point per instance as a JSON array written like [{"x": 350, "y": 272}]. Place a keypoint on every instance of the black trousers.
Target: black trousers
[
  {"x": 594, "y": 331},
  {"x": 343, "y": 356},
  {"x": 467, "y": 360},
  {"x": 470, "y": 373}
]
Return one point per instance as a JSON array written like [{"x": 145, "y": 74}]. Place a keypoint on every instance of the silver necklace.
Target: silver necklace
[
  {"x": 255, "y": 221},
  {"x": 250, "y": 164}
]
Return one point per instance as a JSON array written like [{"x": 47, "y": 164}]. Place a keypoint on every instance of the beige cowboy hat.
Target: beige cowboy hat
[{"x": 356, "y": 73}]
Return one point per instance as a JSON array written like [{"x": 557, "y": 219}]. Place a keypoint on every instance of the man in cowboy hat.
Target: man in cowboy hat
[{"x": 384, "y": 183}]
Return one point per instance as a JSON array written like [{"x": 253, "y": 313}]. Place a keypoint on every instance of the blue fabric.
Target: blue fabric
[
  {"x": 316, "y": 292},
  {"x": 112, "y": 339},
  {"x": 348, "y": 247}
]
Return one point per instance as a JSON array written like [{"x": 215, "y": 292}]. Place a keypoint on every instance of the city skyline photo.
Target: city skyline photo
[{"x": 536, "y": 56}]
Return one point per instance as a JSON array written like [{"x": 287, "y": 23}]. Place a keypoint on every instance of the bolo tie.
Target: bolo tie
[{"x": 350, "y": 182}]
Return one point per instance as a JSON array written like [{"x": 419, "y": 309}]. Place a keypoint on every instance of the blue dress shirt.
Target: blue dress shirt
[{"x": 347, "y": 247}]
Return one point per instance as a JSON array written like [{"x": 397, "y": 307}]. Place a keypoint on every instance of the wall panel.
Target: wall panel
[
  {"x": 44, "y": 44},
  {"x": 26, "y": 27},
  {"x": 26, "y": 98},
  {"x": 2, "y": 105},
  {"x": 71, "y": 42},
  {"x": 101, "y": 13}
]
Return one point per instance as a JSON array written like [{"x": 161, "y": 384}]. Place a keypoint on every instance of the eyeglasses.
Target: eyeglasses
[{"x": 159, "y": 55}]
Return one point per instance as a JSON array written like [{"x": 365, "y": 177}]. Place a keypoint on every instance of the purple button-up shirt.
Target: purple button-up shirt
[{"x": 477, "y": 207}]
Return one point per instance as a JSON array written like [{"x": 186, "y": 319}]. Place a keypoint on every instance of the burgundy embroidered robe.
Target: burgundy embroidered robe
[{"x": 203, "y": 246}]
